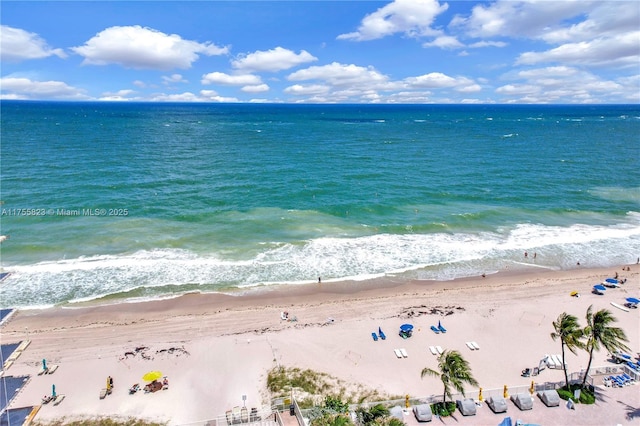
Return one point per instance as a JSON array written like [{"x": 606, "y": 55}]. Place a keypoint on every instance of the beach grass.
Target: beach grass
[{"x": 313, "y": 388}]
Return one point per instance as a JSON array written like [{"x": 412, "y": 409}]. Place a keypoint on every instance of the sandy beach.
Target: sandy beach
[{"x": 216, "y": 348}]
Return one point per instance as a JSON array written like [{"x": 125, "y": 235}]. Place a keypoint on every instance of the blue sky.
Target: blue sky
[{"x": 403, "y": 51}]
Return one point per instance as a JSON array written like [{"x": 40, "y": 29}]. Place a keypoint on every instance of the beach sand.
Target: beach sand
[{"x": 215, "y": 348}]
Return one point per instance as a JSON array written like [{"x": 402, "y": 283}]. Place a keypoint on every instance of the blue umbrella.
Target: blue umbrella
[
  {"x": 53, "y": 391},
  {"x": 612, "y": 280},
  {"x": 600, "y": 287},
  {"x": 406, "y": 327},
  {"x": 633, "y": 300},
  {"x": 44, "y": 364}
]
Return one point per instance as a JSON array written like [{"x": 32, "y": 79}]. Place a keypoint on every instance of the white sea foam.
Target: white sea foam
[{"x": 441, "y": 256}]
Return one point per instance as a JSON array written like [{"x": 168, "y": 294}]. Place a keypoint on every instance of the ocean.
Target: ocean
[{"x": 112, "y": 202}]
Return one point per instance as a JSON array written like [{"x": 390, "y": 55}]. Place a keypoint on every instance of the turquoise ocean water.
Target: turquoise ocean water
[{"x": 114, "y": 201}]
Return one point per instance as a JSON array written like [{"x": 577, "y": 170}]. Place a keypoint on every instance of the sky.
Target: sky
[{"x": 389, "y": 52}]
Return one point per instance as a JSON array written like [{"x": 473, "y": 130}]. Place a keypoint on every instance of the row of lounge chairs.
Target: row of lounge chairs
[
  {"x": 401, "y": 353},
  {"x": 468, "y": 407},
  {"x": 618, "y": 381}
]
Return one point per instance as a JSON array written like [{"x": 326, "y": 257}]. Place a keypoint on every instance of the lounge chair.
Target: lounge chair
[
  {"x": 374, "y": 336},
  {"x": 381, "y": 334},
  {"x": 58, "y": 399},
  {"x": 497, "y": 404},
  {"x": 422, "y": 412},
  {"x": 103, "y": 393},
  {"x": 523, "y": 401},
  {"x": 398, "y": 353},
  {"x": 433, "y": 350},
  {"x": 439, "y": 349},
  {"x": 467, "y": 406},
  {"x": 442, "y": 329},
  {"x": 470, "y": 346},
  {"x": 475, "y": 346},
  {"x": 435, "y": 329},
  {"x": 550, "y": 398},
  {"x": 52, "y": 369},
  {"x": 133, "y": 389},
  {"x": 404, "y": 353}
]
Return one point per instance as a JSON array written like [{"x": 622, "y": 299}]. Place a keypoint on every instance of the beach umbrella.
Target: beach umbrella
[
  {"x": 633, "y": 300},
  {"x": 406, "y": 327},
  {"x": 406, "y": 401},
  {"x": 600, "y": 288},
  {"x": 532, "y": 388},
  {"x": 53, "y": 391},
  {"x": 152, "y": 376},
  {"x": 44, "y": 364},
  {"x": 480, "y": 395},
  {"x": 505, "y": 392},
  {"x": 612, "y": 280}
]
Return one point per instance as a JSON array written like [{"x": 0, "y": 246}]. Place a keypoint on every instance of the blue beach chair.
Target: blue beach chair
[
  {"x": 374, "y": 336},
  {"x": 441, "y": 328},
  {"x": 435, "y": 329},
  {"x": 381, "y": 334}
]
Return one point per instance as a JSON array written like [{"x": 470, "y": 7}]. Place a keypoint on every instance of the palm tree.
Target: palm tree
[
  {"x": 454, "y": 371},
  {"x": 600, "y": 332},
  {"x": 568, "y": 330}
]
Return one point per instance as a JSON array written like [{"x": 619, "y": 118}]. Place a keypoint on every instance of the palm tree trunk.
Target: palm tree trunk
[
  {"x": 584, "y": 379},
  {"x": 564, "y": 367}
]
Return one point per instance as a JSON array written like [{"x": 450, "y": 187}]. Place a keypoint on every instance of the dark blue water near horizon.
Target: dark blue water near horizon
[{"x": 147, "y": 200}]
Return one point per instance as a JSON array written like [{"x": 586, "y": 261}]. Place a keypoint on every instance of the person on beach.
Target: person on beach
[{"x": 526, "y": 254}]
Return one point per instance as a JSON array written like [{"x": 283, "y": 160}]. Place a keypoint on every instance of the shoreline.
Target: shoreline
[
  {"x": 350, "y": 288},
  {"x": 238, "y": 339}
]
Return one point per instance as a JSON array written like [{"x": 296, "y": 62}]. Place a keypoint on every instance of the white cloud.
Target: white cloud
[
  {"x": 230, "y": 80},
  {"x": 519, "y": 18},
  {"x": 561, "y": 84},
  {"x": 338, "y": 74},
  {"x": 144, "y": 48},
  {"x": 437, "y": 80},
  {"x": 485, "y": 43},
  {"x": 410, "y": 17},
  {"x": 591, "y": 33},
  {"x": 273, "y": 60},
  {"x": 257, "y": 88},
  {"x": 619, "y": 51},
  {"x": 18, "y": 45},
  {"x": 24, "y": 88},
  {"x": 173, "y": 78},
  {"x": 444, "y": 42},
  {"x": 311, "y": 89}
]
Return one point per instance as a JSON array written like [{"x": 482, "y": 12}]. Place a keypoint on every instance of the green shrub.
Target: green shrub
[
  {"x": 586, "y": 396},
  {"x": 443, "y": 409}
]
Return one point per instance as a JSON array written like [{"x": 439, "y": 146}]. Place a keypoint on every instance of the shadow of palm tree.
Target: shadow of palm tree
[{"x": 632, "y": 412}]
